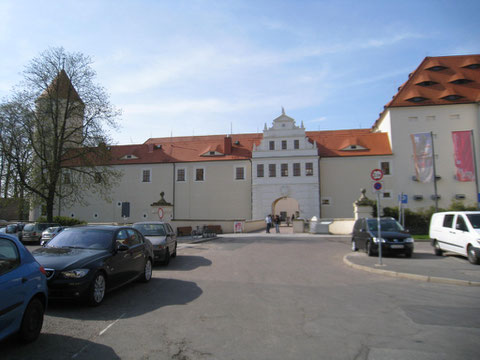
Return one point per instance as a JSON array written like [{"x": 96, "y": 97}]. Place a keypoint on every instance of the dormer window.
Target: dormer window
[
  {"x": 354, "y": 147},
  {"x": 211, "y": 153},
  {"x": 129, "y": 157},
  {"x": 437, "y": 68},
  {"x": 417, "y": 99},
  {"x": 452, "y": 97},
  {"x": 427, "y": 83},
  {"x": 472, "y": 66},
  {"x": 461, "y": 81}
]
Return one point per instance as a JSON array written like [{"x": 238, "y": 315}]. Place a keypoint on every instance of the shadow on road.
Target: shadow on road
[
  {"x": 66, "y": 347},
  {"x": 130, "y": 301},
  {"x": 185, "y": 263}
]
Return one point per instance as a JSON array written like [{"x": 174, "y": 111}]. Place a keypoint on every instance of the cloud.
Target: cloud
[{"x": 318, "y": 120}]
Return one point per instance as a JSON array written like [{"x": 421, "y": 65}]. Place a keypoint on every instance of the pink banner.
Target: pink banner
[
  {"x": 463, "y": 150},
  {"x": 423, "y": 156}
]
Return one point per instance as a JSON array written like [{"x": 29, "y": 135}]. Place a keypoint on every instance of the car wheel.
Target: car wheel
[
  {"x": 174, "y": 253},
  {"x": 437, "y": 250},
  {"x": 408, "y": 253},
  {"x": 32, "y": 321},
  {"x": 368, "y": 249},
  {"x": 166, "y": 260},
  {"x": 472, "y": 255},
  {"x": 147, "y": 271},
  {"x": 354, "y": 245},
  {"x": 97, "y": 290}
]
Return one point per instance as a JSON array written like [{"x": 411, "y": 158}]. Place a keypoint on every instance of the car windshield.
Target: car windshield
[
  {"x": 385, "y": 225},
  {"x": 150, "y": 229},
  {"x": 29, "y": 227},
  {"x": 474, "y": 220},
  {"x": 100, "y": 239}
]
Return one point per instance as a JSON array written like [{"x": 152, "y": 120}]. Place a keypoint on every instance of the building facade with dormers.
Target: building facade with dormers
[{"x": 288, "y": 170}]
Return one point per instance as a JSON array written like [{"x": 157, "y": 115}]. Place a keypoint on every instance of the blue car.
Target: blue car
[{"x": 23, "y": 291}]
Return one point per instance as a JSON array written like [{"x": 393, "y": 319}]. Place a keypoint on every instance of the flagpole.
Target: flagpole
[
  {"x": 434, "y": 174},
  {"x": 476, "y": 171}
]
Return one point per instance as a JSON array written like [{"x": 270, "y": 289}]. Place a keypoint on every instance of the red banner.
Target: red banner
[{"x": 463, "y": 150}]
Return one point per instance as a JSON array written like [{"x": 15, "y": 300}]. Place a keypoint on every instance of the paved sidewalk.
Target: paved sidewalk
[{"x": 423, "y": 266}]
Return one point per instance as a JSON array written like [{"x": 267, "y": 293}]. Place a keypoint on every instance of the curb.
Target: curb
[{"x": 401, "y": 275}]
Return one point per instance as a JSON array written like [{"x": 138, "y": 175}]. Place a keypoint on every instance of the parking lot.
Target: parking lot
[{"x": 266, "y": 297}]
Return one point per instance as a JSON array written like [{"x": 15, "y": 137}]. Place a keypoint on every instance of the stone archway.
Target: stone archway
[{"x": 286, "y": 207}]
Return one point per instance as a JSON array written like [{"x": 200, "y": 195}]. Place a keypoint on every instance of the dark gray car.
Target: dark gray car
[
  {"x": 394, "y": 238},
  {"x": 162, "y": 237},
  {"x": 33, "y": 232}
]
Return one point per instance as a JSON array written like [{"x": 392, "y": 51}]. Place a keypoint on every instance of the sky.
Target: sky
[{"x": 205, "y": 67}]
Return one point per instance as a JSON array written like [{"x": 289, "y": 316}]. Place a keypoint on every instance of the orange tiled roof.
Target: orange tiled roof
[
  {"x": 441, "y": 80},
  {"x": 194, "y": 148}
]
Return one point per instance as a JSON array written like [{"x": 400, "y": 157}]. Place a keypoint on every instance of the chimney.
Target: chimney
[
  {"x": 227, "y": 145},
  {"x": 150, "y": 148}
]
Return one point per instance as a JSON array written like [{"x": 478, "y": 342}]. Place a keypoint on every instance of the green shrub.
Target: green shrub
[{"x": 63, "y": 220}]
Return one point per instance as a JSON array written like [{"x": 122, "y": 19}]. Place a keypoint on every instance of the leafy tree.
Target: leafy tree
[{"x": 54, "y": 127}]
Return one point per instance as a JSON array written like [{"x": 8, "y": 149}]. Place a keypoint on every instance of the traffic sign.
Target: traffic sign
[
  {"x": 377, "y": 186},
  {"x": 403, "y": 198},
  {"x": 376, "y": 174}
]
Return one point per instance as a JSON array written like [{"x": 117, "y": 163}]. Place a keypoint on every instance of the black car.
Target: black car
[
  {"x": 88, "y": 261},
  {"x": 394, "y": 238}
]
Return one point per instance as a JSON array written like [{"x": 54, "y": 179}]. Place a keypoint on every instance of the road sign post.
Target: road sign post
[{"x": 377, "y": 175}]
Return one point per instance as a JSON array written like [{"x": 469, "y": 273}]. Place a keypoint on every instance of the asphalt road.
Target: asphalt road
[{"x": 264, "y": 298}]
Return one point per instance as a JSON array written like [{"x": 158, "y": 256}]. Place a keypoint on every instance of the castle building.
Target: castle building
[{"x": 288, "y": 170}]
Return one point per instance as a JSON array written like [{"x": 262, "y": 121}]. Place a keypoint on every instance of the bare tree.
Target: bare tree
[{"x": 54, "y": 127}]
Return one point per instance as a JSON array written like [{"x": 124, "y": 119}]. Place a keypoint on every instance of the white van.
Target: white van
[{"x": 458, "y": 232}]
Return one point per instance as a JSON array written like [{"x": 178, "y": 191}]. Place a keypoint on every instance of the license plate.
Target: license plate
[{"x": 396, "y": 246}]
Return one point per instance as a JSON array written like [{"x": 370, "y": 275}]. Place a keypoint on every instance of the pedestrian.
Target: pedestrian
[
  {"x": 268, "y": 220},
  {"x": 277, "y": 224}
]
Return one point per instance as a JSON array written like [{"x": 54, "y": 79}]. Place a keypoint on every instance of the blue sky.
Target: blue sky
[{"x": 201, "y": 67}]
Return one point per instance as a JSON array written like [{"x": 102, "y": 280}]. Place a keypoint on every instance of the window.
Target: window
[
  {"x": 200, "y": 174},
  {"x": 417, "y": 99},
  {"x": 10, "y": 256},
  {"x": 97, "y": 178},
  {"x": 284, "y": 144},
  {"x": 296, "y": 144},
  {"x": 146, "y": 175},
  {"x": 385, "y": 167},
  {"x": 67, "y": 179},
  {"x": 272, "y": 170},
  {"x": 437, "y": 68},
  {"x": 240, "y": 173},
  {"x": 180, "y": 174},
  {"x": 326, "y": 201},
  {"x": 461, "y": 225},
  {"x": 260, "y": 170},
  {"x": 452, "y": 97},
  {"x": 272, "y": 145},
  {"x": 284, "y": 169},
  {"x": 427, "y": 83},
  {"x": 309, "y": 169},
  {"x": 296, "y": 169},
  {"x": 387, "y": 195},
  {"x": 448, "y": 221},
  {"x": 133, "y": 238}
]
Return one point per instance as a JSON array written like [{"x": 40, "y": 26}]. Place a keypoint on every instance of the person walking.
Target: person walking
[
  {"x": 277, "y": 224},
  {"x": 268, "y": 220}
]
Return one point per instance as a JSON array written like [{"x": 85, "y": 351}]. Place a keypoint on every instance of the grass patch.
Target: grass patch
[{"x": 421, "y": 237}]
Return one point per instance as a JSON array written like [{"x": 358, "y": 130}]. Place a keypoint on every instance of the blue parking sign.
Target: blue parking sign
[{"x": 403, "y": 198}]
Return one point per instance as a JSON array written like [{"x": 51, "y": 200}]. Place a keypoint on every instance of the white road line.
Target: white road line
[
  {"x": 109, "y": 326},
  {"x": 99, "y": 334}
]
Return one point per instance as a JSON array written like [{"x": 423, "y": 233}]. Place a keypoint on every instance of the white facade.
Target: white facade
[
  {"x": 441, "y": 120},
  {"x": 290, "y": 170}
]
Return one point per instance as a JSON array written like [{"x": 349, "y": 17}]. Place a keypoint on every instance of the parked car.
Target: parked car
[
  {"x": 15, "y": 229},
  {"x": 162, "y": 237},
  {"x": 50, "y": 233},
  {"x": 394, "y": 238},
  {"x": 457, "y": 232},
  {"x": 33, "y": 232},
  {"x": 23, "y": 289},
  {"x": 85, "y": 262}
]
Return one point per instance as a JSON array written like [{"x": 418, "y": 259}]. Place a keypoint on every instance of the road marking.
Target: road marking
[
  {"x": 109, "y": 326},
  {"x": 99, "y": 334}
]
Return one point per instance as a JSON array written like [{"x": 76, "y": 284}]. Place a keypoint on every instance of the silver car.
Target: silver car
[
  {"x": 162, "y": 237},
  {"x": 50, "y": 233}
]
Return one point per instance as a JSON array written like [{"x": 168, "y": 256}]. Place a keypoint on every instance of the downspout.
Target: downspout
[
  {"x": 251, "y": 189},
  {"x": 319, "y": 191},
  {"x": 174, "y": 172}
]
